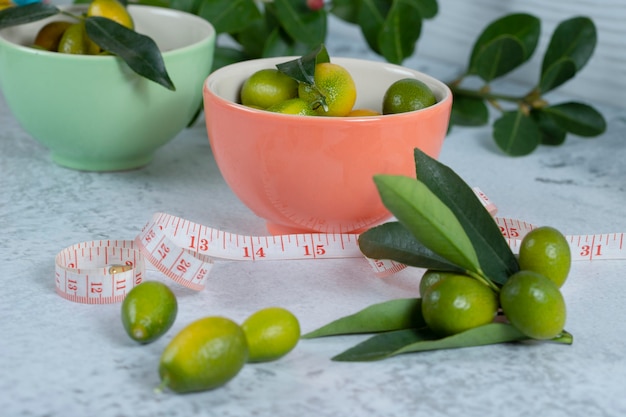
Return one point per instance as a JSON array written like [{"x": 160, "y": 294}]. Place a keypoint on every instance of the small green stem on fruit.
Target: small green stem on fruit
[
  {"x": 321, "y": 100},
  {"x": 164, "y": 383}
]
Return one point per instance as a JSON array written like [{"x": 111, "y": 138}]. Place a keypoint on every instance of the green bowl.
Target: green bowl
[{"x": 93, "y": 112}]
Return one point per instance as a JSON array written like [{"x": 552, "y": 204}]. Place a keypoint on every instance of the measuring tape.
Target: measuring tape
[
  {"x": 100, "y": 272},
  {"x": 104, "y": 271},
  {"x": 583, "y": 247}
]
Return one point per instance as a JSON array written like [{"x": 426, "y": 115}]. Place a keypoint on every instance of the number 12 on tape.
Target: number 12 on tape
[{"x": 98, "y": 272}]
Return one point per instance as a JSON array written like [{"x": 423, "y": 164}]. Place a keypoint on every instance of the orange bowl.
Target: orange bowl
[{"x": 312, "y": 173}]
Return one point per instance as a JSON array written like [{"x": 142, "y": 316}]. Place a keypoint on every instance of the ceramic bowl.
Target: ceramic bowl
[
  {"x": 314, "y": 173},
  {"x": 93, "y": 112}
]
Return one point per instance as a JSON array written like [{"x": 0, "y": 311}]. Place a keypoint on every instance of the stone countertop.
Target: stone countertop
[{"x": 59, "y": 358}]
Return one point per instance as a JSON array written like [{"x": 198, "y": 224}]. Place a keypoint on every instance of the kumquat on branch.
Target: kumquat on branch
[{"x": 474, "y": 292}]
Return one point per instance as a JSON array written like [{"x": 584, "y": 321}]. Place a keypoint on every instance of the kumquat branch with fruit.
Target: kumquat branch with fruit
[{"x": 474, "y": 292}]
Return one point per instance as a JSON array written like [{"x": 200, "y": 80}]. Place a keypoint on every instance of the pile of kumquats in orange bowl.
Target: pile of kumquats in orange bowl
[
  {"x": 298, "y": 139},
  {"x": 327, "y": 89}
]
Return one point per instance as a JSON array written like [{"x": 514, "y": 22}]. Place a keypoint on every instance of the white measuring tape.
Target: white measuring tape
[{"x": 102, "y": 272}]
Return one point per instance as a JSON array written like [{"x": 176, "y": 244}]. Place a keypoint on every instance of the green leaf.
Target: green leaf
[
  {"x": 346, "y": 10},
  {"x": 423, "y": 339},
  {"x": 494, "y": 254},
  {"x": 371, "y": 18},
  {"x": 574, "y": 39},
  {"x": 400, "y": 31},
  {"x": 556, "y": 74},
  {"x": 505, "y": 44},
  {"x": 189, "y": 6},
  {"x": 428, "y": 219},
  {"x": 393, "y": 241},
  {"x": 389, "y": 315},
  {"x": 516, "y": 134},
  {"x": 225, "y": 56},
  {"x": 524, "y": 27},
  {"x": 428, "y": 8},
  {"x": 386, "y": 345},
  {"x": 229, "y": 16},
  {"x": 497, "y": 58},
  {"x": 254, "y": 37},
  {"x": 278, "y": 43},
  {"x": 551, "y": 133},
  {"x": 577, "y": 118},
  {"x": 301, "y": 23},
  {"x": 138, "y": 51},
  {"x": 12, "y": 16},
  {"x": 303, "y": 69},
  {"x": 469, "y": 111}
]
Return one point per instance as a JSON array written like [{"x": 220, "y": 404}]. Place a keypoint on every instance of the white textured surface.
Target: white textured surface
[{"x": 63, "y": 359}]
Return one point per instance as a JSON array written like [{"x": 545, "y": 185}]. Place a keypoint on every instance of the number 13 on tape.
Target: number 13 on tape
[{"x": 184, "y": 251}]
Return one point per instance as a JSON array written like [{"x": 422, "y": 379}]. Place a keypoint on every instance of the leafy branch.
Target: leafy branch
[
  {"x": 503, "y": 46},
  {"x": 440, "y": 225},
  {"x": 262, "y": 28},
  {"x": 391, "y": 28}
]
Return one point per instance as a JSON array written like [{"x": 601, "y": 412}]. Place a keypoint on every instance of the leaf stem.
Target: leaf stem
[
  {"x": 483, "y": 279},
  {"x": 532, "y": 100},
  {"x": 565, "y": 338},
  {"x": 485, "y": 95},
  {"x": 72, "y": 15}
]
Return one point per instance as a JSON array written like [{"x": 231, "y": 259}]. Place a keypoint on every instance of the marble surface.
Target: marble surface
[{"x": 58, "y": 358}]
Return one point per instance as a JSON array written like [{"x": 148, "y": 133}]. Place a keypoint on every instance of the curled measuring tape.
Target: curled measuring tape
[{"x": 101, "y": 272}]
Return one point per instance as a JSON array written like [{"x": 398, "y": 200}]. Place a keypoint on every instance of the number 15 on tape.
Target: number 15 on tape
[{"x": 185, "y": 251}]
